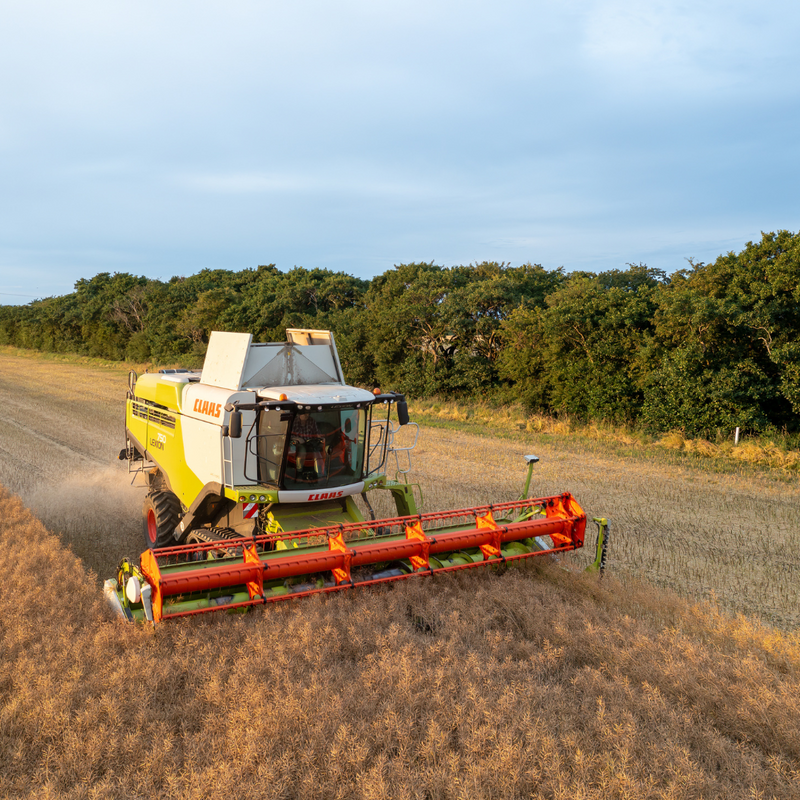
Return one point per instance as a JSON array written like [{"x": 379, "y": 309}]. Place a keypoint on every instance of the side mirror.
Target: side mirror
[
  {"x": 402, "y": 412},
  {"x": 235, "y": 426}
]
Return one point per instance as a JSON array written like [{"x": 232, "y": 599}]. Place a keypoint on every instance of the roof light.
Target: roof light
[
  {"x": 282, "y": 397},
  {"x": 376, "y": 391}
]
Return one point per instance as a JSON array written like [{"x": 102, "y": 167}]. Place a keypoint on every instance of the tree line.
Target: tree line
[{"x": 711, "y": 347}]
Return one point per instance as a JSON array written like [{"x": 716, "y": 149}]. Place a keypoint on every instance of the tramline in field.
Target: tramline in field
[{"x": 253, "y": 465}]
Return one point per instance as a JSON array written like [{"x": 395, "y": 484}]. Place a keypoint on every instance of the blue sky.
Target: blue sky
[{"x": 160, "y": 138}]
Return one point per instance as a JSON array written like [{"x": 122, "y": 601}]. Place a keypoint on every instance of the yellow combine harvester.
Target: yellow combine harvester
[{"x": 253, "y": 465}]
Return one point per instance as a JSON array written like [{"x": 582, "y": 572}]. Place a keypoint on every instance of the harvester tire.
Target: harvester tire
[{"x": 160, "y": 514}]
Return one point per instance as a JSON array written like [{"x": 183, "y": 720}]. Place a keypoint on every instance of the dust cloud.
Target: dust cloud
[{"x": 96, "y": 513}]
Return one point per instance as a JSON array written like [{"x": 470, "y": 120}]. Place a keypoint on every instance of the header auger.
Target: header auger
[{"x": 253, "y": 466}]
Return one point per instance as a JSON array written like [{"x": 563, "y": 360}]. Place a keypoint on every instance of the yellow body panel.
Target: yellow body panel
[{"x": 159, "y": 431}]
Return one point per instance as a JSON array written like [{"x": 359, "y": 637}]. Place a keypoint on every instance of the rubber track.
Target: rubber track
[{"x": 209, "y": 535}]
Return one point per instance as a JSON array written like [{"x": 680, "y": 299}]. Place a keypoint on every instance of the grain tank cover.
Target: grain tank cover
[{"x": 234, "y": 362}]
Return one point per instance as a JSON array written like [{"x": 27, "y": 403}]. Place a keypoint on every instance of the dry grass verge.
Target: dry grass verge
[
  {"x": 533, "y": 683},
  {"x": 514, "y": 419}
]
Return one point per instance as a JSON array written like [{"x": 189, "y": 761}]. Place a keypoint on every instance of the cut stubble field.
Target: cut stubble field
[
  {"x": 732, "y": 538},
  {"x": 533, "y": 682}
]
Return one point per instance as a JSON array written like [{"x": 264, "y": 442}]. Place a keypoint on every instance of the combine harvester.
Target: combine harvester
[{"x": 253, "y": 466}]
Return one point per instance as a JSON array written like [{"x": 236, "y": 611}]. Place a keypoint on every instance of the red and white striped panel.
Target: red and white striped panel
[{"x": 250, "y": 510}]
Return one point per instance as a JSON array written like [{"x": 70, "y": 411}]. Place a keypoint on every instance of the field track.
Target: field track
[{"x": 530, "y": 683}]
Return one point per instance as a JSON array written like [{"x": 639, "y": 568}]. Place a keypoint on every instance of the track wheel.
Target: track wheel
[{"x": 160, "y": 514}]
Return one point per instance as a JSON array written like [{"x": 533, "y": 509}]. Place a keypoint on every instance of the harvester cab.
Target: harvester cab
[{"x": 253, "y": 467}]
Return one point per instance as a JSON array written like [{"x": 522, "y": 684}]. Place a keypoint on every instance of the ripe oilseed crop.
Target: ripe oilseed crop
[{"x": 528, "y": 682}]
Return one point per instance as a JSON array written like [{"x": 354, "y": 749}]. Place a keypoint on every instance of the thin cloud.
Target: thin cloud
[{"x": 341, "y": 183}]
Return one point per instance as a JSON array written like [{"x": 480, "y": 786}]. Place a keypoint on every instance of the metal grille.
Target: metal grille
[{"x": 147, "y": 412}]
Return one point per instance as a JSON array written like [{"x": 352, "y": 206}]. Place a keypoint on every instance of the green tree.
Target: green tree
[
  {"x": 726, "y": 333},
  {"x": 582, "y": 353},
  {"x": 436, "y": 330}
]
